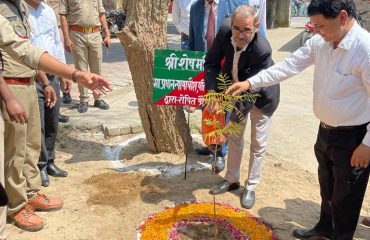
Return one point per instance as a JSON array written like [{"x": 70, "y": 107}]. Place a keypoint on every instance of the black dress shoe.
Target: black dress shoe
[
  {"x": 54, "y": 171},
  {"x": 203, "y": 151},
  {"x": 44, "y": 177},
  {"x": 83, "y": 107},
  {"x": 219, "y": 164},
  {"x": 311, "y": 234},
  {"x": 248, "y": 199},
  {"x": 67, "y": 98},
  {"x": 366, "y": 221},
  {"x": 101, "y": 104},
  {"x": 223, "y": 187},
  {"x": 63, "y": 118}
]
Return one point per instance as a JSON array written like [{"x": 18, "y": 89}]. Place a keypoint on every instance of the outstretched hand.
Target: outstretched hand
[
  {"x": 237, "y": 88},
  {"x": 93, "y": 82}
]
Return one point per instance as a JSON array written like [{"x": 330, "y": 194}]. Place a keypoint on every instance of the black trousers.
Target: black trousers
[
  {"x": 342, "y": 187},
  {"x": 49, "y": 118}
]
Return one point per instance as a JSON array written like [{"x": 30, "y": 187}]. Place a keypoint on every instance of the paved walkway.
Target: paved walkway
[{"x": 123, "y": 116}]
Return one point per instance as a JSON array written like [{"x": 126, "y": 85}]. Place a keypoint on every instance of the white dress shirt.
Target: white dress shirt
[
  {"x": 44, "y": 31},
  {"x": 207, "y": 7},
  {"x": 236, "y": 59},
  {"x": 341, "y": 87},
  {"x": 181, "y": 15}
]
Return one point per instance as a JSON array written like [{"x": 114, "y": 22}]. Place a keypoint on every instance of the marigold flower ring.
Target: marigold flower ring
[{"x": 188, "y": 220}]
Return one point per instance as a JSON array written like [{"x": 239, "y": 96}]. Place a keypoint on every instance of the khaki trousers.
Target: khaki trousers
[
  {"x": 2, "y": 209},
  {"x": 260, "y": 127},
  {"x": 22, "y": 150},
  {"x": 87, "y": 55}
]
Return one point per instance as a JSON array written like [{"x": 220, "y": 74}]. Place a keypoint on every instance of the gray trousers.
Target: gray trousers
[
  {"x": 49, "y": 118},
  {"x": 260, "y": 127}
]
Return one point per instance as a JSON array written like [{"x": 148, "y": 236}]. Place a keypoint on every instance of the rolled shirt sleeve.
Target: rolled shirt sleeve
[
  {"x": 366, "y": 139},
  {"x": 292, "y": 65},
  {"x": 101, "y": 7},
  {"x": 18, "y": 48},
  {"x": 63, "y": 8}
]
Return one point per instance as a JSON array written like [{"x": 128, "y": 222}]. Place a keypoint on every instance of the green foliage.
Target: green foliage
[
  {"x": 226, "y": 103},
  {"x": 233, "y": 129},
  {"x": 224, "y": 82}
]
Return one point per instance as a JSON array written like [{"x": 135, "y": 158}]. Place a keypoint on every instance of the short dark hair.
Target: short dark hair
[{"x": 331, "y": 8}]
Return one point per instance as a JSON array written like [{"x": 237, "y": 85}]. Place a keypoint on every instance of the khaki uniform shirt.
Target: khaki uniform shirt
[
  {"x": 15, "y": 49},
  {"x": 84, "y": 13}
]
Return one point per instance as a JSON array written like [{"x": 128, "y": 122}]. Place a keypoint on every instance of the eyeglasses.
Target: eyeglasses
[{"x": 245, "y": 31}]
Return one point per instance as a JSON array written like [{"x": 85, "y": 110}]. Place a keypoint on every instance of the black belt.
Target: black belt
[{"x": 341, "y": 128}]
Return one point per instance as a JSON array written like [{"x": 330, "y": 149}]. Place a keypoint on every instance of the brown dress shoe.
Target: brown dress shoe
[
  {"x": 27, "y": 220},
  {"x": 366, "y": 221},
  {"x": 42, "y": 203}
]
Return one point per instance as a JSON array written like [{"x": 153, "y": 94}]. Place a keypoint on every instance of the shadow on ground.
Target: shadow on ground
[
  {"x": 292, "y": 45},
  {"x": 298, "y": 213}
]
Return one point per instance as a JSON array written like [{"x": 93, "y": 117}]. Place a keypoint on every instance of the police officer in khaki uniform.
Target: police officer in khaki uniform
[
  {"x": 22, "y": 141},
  {"x": 81, "y": 22},
  {"x": 13, "y": 107}
]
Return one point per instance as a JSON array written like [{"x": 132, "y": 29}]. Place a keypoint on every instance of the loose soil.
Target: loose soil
[{"x": 103, "y": 201}]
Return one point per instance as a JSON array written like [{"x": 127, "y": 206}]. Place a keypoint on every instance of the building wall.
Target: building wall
[{"x": 364, "y": 5}]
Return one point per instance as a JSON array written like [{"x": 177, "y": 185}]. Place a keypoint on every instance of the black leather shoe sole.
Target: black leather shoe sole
[
  {"x": 63, "y": 118},
  {"x": 224, "y": 187},
  {"x": 101, "y": 104},
  {"x": 45, "y": 182},
  {"x": 67, "y": 99},
  {"x": 83, "y": 107},
  {"x": 56, "y": 172},
  {"x": 310, "y": 234},
  {"x": 220, "y": 164}
]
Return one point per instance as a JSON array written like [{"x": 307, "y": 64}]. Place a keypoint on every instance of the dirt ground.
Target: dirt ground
[{"x": 107, "y": 199}]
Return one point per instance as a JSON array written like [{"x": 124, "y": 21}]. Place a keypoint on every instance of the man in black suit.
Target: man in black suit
[{"x": 246, "y": 53}]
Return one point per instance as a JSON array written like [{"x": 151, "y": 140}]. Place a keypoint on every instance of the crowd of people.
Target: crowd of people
[{"x": 233, "y": 33}]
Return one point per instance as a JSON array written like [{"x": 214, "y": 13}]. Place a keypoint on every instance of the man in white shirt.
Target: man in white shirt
[
  {"x": 45, "y": 34},
  {"x": 181, "y": 19},
  {"x": 340, "y": 51}
]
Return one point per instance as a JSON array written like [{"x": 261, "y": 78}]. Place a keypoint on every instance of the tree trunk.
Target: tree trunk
[
  {"x": 278, "y": 13},
  {"x": 146, "y": 29}
]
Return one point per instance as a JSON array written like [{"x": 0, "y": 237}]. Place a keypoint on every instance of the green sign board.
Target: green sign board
[{"x": 178, "y": 77}]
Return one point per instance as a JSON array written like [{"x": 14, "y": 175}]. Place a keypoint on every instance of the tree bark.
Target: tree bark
[
  {"x": 146, "y": 29},
  {"x": 278, "y": 13}
]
